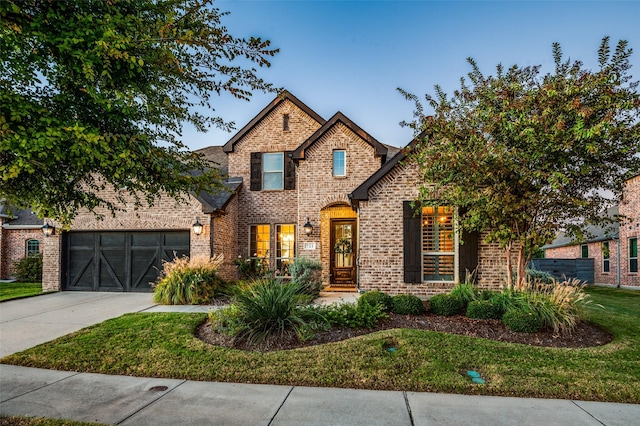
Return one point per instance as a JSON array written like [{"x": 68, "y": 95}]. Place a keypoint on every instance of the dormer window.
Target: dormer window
[
  {"x": 285, "y": 122},
  {"x": 339, "y": 163}
]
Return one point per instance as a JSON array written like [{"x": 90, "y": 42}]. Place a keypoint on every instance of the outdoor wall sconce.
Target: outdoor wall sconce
[
  {"x": 308, "y": 228},
  {"x": 197, "y": 227},
  {"x": 48, "y": 230}
]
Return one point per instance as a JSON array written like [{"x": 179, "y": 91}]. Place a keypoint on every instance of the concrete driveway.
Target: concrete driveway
[{"x": 25, "y": 323}]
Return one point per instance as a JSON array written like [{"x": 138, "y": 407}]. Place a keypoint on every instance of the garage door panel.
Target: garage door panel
[
  {"x": 80, "y": 270},
  {"x": 144, "y": 267},
  {"x": 119, "y": 261}
]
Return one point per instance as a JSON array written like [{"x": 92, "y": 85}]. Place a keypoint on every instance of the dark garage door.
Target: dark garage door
[{"x": 119, "y": 261}]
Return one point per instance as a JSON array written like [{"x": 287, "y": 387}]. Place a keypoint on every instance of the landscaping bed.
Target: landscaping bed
[{"x": 584, "y": 335}]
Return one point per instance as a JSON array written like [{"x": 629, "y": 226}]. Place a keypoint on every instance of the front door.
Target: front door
[{"x": 343, "y": 249}]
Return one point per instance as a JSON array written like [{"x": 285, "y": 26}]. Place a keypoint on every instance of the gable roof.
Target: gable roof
[
  {"x": 285, "y": 95},
  {"x": 361, "y": 193},
  {"x": 338, "y": 117},
  {"x": 19, "y": 218}
]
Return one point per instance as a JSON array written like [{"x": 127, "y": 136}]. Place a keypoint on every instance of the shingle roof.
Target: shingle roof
[
  {"x": 595, "y": 233},
  {"x": 213, "y": 202},
  {"x": 217, "y": 156},
  {"x": 20, "y": 217}
]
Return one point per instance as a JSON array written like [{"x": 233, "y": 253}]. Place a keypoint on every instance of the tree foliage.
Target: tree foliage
[
  {"x": 525, "y": 155},
  {"x": 96, "y": 93}
]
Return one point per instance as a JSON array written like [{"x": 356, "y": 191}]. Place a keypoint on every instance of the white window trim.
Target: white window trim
[{"x": 455, "y": 253}]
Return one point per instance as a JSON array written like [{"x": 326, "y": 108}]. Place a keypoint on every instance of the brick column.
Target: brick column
[{"x": 51, "y": 267}]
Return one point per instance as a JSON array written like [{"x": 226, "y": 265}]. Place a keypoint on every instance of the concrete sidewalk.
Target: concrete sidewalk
[{"x": 144, "y": 401}]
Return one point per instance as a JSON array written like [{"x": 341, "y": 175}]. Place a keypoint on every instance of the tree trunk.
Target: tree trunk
[
  {"x": 507, "y": 250},
  {"x": 522, "y": 268}
]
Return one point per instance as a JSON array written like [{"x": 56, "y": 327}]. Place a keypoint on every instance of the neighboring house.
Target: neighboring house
[
  {"x": 604, "y": 245},
  {"x": 20, "y": 236},
  {"x": 298, "y": 185}
]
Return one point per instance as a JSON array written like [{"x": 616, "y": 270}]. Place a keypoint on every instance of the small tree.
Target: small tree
[
  {"x": 96, "y": 93},
  {"x": 524, "y": 155}
]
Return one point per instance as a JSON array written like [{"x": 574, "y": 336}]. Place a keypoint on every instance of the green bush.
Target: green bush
[
  {"x": 445, "y": 304},
  {"x": 407, "y": 304},
  {"x": 29, "y": 269},
  {"x": 483, "y": 309},
  {"x": 537, "y": 276},
  {"x": 522, "y": 320},
  {"x": 465, "y": 293},
  {"x": 308, "y": 274},
  {"x": 185, "y": 281},
  {"x": 376, "y": 297},
  {"x": 352, "y": 315},
  {"x": 267, "y": 309}
]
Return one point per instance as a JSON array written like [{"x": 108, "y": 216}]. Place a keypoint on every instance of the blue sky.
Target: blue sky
[{"x": 350, "y": 56}]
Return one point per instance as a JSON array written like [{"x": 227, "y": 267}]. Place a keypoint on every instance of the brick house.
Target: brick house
[
  {"x": 20, "y": 236},
  {"x": 298, "y": 185},
  {"x": 615, "y": 249}
]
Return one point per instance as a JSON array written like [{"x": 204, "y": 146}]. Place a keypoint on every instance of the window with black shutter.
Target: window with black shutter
[
  {"x": 411, "y": 242},
  {"x": 289, "y": 171},
  {"x": 256, "y": 171}
]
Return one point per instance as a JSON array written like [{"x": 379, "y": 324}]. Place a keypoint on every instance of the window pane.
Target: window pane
[
  {"x": 33, "y": 247},
  {"x": 272, "y": 180},
  {"x": 285, "y": 247},
  {"x": 339, "y": 163},
  {"x": 259, "y": 241},
  {"x": 438, "y": 243},
  {"x": 633, "y": 247},
  {"x": 585, "y": 251},
  {"x": 273, "y": 162}
]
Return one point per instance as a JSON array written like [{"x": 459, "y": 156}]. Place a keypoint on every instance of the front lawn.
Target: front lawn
[
  {"x": 163, "y": 345},
  {"x": 17, "y": 290}
]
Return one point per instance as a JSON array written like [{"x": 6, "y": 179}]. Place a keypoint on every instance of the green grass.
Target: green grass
[
  {"x": 163, "y": 345},
  {"x": 35, "y": 421},
  {"x": 15, "y": 290}
]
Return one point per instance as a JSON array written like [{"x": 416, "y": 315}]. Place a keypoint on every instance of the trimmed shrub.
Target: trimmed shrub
[
  {"x": 407, "y": 304},
  {"x": 483, "y": 309},
  {"x": 352, "y": 315},
  {"x": 465, "y": 293},
  {"x": 308, "y": 274},
  {"x": 29, "y": 269},
  {"x": 445, "y": 305},
  {"x": 522, "y": 320},
  {"x": 376, "y": 297},
  {"x": 185, "y": 281}
]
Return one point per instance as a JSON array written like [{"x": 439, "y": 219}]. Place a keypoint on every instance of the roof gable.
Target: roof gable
[
  {"x": 361, "y": 193},
  {"x": 380, "y": 149},
  {"x": 285, "y": 95}
]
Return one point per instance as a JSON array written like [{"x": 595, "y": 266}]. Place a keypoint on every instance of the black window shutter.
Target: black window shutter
[
  {"x": 411, "y": 242},
  {"x": 467, "y": 254},
  {"x": 256, "y": 171},
  {"x": 289, "y": 171}
]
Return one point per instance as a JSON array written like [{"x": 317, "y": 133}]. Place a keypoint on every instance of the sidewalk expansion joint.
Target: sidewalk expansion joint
[
  {"x": 591, "y": 415},
  {"x": 280, "y": 407},
  {"x": 162, "y": 395},
  {"x": 43, "y": 386},
  {"x": 406, "y": 401}
]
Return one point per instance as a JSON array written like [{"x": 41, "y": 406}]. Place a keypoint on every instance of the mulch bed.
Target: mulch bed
[{"x": 585, "y": 334}]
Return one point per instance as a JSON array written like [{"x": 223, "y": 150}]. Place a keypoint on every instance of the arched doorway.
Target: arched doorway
[{"x": 339, "y": 241}]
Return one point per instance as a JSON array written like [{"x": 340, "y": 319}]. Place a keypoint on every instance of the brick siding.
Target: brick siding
[{"x": 13, "y": 245}]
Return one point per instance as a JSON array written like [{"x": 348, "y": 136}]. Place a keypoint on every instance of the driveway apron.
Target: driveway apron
[{"x": 25, "y": 323}]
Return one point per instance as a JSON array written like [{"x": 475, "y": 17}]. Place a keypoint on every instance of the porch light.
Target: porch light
[
  {"x": 308, "y": 228},
  {"x": 48, "y": 230},
  {"x": 197, "y": 227}
]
